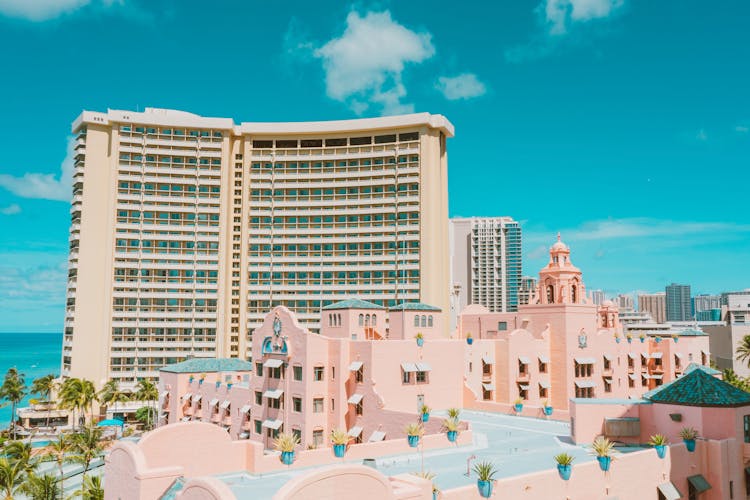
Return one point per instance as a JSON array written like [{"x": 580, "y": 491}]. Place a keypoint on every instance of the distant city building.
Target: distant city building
[
  {"x": 597, "y": 297},
  {"x": 486, "y": 261},
  {"x": 708, "y": 315},
  {"x": 625, "y": 302},
  {"x": 727, "y": 337},
  {"x": 527, "y": 291},
  {"x": 678, "y": 302},
  {"x": 655, "y": 304},
  {"x": 703, "y": 303}
]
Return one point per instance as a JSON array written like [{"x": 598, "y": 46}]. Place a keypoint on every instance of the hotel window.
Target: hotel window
[
  {"x": 259, "y": 369},
  {"x": 523, "y": 368},
  {"x": 584, "y": 392},
  {"x": 297, "y": 405},
  {"x": 542, "y": 392},
  {"x": 631, "y": 362},
  {"x": 406, "y": 377},
  {"x": 607, "y": 384},
  {"x": 542, "y": 366},
  {"x": 583, "y": 369},
  {"x": 359, "y": 375},
  {"x": 275, "y": 373},
  {"x": 631, "y": 382},
  {"x": 318, "y": 405},
  {"x": 523, "y": 391},
  {"x": 258, "y": 427},
  {"x": 607, "y": 363},
  {"x": 502, "y": 326},
  {"x": 361, "y": 320},
  {"x": 746, "y": 427},
  {"x": 276, "y": 403},
  {"x": 486, "y": 394},
  {"x": 421, "y": 377},
  {"x": 416, "y": 320},
  {"x": 424, "y": 321},
  {"x": 657, "y": 362},
  {"x": 297, "y": 433},
  {"x": 644, "y": 381},
  {"x": 429, "y": 321},
  {"x": 318, "y": 438},
  {"x": 318, "y": 373},
  {"x": 333, "y": 373},
  {"x": 297, "y": 372},
  {"x": 258, "y": 398},
  {"x": 358, "y": 409},
  {"x": 486, "y": 368},
  {"x": 704, "y": 358},
  {"x": 677, "y": 362}
]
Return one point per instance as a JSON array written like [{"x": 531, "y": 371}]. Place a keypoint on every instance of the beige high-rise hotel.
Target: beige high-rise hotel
[{"x": 186, "y": 230}]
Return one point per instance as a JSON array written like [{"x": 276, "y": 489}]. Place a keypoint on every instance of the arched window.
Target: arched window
[
  {"x": 574, "y": 294},
  {"x": 367, "y": 320},
  {"x": 361, "y": 320},
  {"x": 374, "y": 320},
  {"x": 416, "y": 320},
  {"x": 429, "y": 320},
  {"x": 338, "y": 320},
  {"x": 424, "y": 320},
  {"x": 550, "y": 294}
]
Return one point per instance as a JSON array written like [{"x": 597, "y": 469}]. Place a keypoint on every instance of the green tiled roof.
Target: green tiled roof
[
  {"x": 690, "y": 332},
  {"x": 698, "y": 388},
  {"x": 205, "y": 365},
  {"x": 696, "y": 366},
  {"x": 414, "y": 306},
  {"x": 352, "y": 304}
]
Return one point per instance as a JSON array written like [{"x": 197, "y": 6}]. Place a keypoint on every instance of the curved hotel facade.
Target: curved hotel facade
[{"x": 186, "y": 230}]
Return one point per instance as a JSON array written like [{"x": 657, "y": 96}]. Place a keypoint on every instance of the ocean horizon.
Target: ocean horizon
[{"x": 34, "y": 355}]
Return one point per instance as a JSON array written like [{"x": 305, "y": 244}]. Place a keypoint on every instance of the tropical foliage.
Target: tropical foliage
[
  {"x": 13, "y": 390},
  {"x": 564, "y": 459},
  {"x": 603, "y": 447},
  {"x": 485, "y": 470}
]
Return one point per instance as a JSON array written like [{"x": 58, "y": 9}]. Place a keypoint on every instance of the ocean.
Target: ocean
[{"x": 33, "y": 354}]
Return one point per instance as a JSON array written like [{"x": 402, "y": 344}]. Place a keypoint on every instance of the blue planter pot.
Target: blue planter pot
[
  {"x": 661, "y": 450},
  {"x": 690, "y": 444},
  {"x": 339, "y": 450},
  {"x": 287, "y": 457},
  {"x": 420, "y": 342},
  {"x": 642, "y": 340},
  {"x": 470, "y": 341},
  {"x": 604, "y": 463},
  {"x": 657, "y": 339},
  {"x": 485, "y": 488},
  {"x": 452, "y": 435},
  {"x": 425, "y": 417},
  {"x": 434, "y": 495},
  {"x": 630, "y": 341},
  {"x": 200, "y": 382},
  {"x": 617, "y": 339},
  {"x": 218, "y": 384},
  {"x": 564, "y": 471},
  {"x": 229, "y": 386},
  {"x": 413, "y": 441},
  {"x": 675, "y": 339},
  {"x": 547, "y": 410},
  {"x": 518, "y": 408}
]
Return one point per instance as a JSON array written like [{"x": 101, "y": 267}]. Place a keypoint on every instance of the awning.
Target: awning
[
  {"x": 585, "y": 361},
  {"x": 408, "y": 367},
  {"x": 273, "y": 363},
  {"x": 488, "y": 387},
  {"x": 355, "y": 399},
  {"x": 523, "y": 360},
  {"x": 377, "y": 436},
  {"x": 656, "y": 355},
  {"x": 608, "y": 357},
  {"x": 355, "y": 432},
  {"x": 186, "y": 397},
  {"x": 544, "y": 358},
  {"x": 163, "y": 394},
  {"x": 244, "y": 435},
  {"x": 699, "y": 483},
  {"x": 355, "y": 366},
  {"x": 273, "y": 424},
  {"x": 197, "y": 398},
  {"x": 706, "y": 353},
  {"x": 245, "y": 409},
  {"x": 423, "y": 367},
  {"x": 608, "y": 378},
  {"x": 523, "y": 387},
  {"x": 488, "y": 360},
  {"x": 633, "y": 376},
  {"x": 632, "y": 355},
  {"x": 544, "y": 383},
  {"x": 669, "y": 491},
  {"x": 679, "y": 355},
  {"x": 656, "y": 376},
  {"x": 273, "y": 393},
  {"x": 225, "y": 404},
  {"x": 213, "y": 402},
  {"x": 185, "y": 419},
  {"x": 585, "y": 383}
]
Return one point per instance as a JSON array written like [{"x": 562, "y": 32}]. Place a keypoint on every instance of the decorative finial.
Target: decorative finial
[{"x": 558, "y": 236}]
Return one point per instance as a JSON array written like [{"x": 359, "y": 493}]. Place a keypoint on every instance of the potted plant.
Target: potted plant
[
  {"x": 485, "y": 472},
  {"x": 688, "y": 435},
  {"x": 429, "y": 476},
  {"x": 420, "y": 339},
  {"x": 229, "y": 385},
  {"x": 413, "y": 433},
  {"x": 469, "y": 338},
  {"x": 190, "y": 380},
  {"x": 425, "y": 412},
  {"x": 629, "y": 338},
  {"x": 564, "y": 465},
  {"x": 659, "y": 442},
  {"x": 642, "y": 337},
  {"x": 285, "y": 443},
  {"x": 339, "y": 438},
  {"x": 451, "y": 426},
  {"x": 518, "y": 405},
  {"x": 547, "y": 408},
  {"x": 218, "y": 384},
  {"x": 203, "y": 377},
  {"x": 657, "y": 339},
  {"x": 453, "y": 413},
  {"x": 603, "y": 448},
  {"x": 675, "y": 337},
  {"x": 617, "y": 338}
]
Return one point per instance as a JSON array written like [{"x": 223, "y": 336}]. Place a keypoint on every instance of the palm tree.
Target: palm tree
[
  {"x": 59, "y": 451},
  {"x": 111, "y": 394},
  {"x": 44, "y": 386},
  {"x": 11, "y": 478},
  {"x": 743, "y": 350},
  {"x": 78, "y": 394},
  {"x": 43, "y": 487},
  {"x": 87, "y": 446},
  {"x": 19, "y": 453},
  {"x": 91, "y": 489},
  {"x": 13, "y": 390},
  {"x": 148, "y": 392}
]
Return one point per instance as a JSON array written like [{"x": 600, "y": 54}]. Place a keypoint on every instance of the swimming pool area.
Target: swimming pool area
[{"x": 516, "y": 445}]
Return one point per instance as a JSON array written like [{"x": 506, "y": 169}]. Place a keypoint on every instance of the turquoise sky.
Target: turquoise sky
[{"x": 624, "y": 124}]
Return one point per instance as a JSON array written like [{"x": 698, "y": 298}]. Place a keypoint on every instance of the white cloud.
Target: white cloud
[
  {"x": 11, "y": 209},
  {"x": 40, "y": 10},
  {"x": 463, "y": 86},
  {"x": 43, "y": 186},
  {"x": 366, "y": 63}
]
